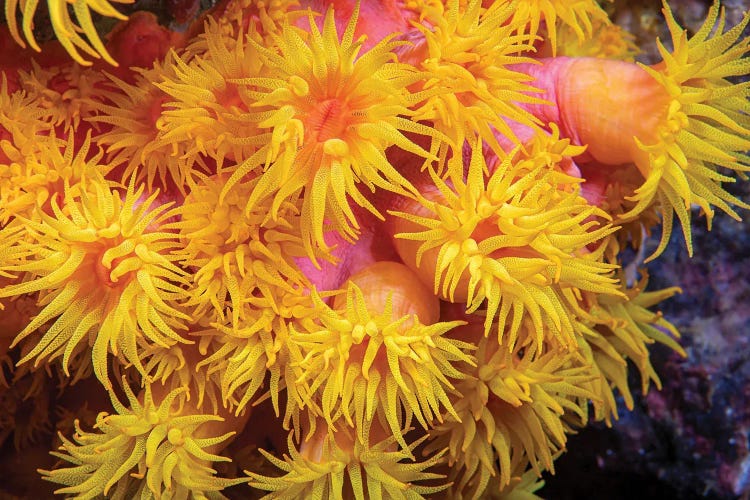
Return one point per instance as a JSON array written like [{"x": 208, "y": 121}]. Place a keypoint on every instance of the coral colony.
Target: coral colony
[{"x": 333, "y": 249}]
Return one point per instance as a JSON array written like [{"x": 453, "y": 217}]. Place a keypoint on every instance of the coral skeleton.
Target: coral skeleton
[{"x": 344, "y": 249}]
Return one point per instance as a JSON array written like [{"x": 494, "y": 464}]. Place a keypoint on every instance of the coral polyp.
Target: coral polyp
[
  {"x": 695, "y": 129},
  {"x": 513, "y": 243},
  {"x": 329, "y": 466},
  {"x": 104, "y": 274},
  {"x": 236, "y": 254},
  {"x": 466, "y": 55},
  {"x": 367, "y": 350},
  {"x": 329, "y": 114},
  {"x": 167, "y": 442},
  {"x": 345, "y": 249}
]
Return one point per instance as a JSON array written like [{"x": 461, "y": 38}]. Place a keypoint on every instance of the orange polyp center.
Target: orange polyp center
[
  {"x": 357, "y": 355},
  {"x": 229, "y": 97},
  {"x": 327, "y": 120},
  {"x": 154, "y": 111},
  {"x": 103, "y": 272},
  {"x": 485, "y": 229}
]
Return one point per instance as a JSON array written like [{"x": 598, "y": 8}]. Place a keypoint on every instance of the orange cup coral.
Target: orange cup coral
[{"x": 386, "y": 257}]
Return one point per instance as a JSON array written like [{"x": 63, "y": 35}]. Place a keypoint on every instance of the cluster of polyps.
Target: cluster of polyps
[{"x": 393, "y": 226}]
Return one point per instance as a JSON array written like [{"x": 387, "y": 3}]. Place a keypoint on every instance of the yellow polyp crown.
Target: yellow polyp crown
[
  {"x": 382, "y": 239},
  {"x": 699, "y": 131},
  {"x": 486, "y": 259},
  {"x": 390, "y": 348}
]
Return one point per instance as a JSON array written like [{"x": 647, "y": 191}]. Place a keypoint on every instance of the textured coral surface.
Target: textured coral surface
[{"x": 383, "y": 249}]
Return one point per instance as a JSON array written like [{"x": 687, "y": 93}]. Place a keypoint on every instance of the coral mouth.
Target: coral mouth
[
  {"x": 380, "y": 228},
  {"x": 327, "y": 120}
]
